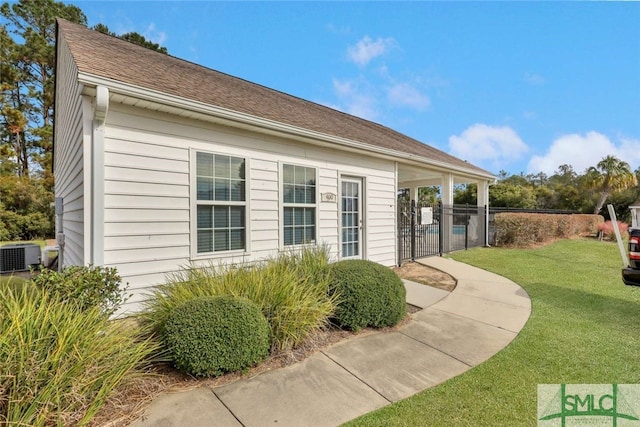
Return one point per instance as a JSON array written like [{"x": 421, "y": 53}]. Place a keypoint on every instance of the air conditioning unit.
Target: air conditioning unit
[{"x": 19, "y": 257}]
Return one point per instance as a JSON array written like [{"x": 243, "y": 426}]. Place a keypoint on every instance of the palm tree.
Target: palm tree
[{"x": 609, "y": 176}]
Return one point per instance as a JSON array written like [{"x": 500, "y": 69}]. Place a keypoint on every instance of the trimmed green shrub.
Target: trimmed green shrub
[
  {"x": 370, "y": 294},
  {"x": 209, "y": 336},
  {"x": 291, "y": 291},
  {"x": 60, "y": 363},
  {"x": 87, "y": 286}
]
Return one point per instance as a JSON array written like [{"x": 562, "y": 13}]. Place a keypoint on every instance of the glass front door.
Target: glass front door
[{"x": 351, "y": 222}]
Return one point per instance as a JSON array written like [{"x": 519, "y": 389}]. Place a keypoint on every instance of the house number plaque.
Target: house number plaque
[{"x": 328, "y": 197}]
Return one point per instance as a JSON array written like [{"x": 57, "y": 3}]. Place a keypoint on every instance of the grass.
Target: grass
[
  {"x": 584, "y": 329},
  {"x": 40, "y": 243},
  {"x": 13, "y": 281}
]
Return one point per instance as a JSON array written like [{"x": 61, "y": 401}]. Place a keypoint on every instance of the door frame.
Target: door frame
[{"x": 360, "y": 180}]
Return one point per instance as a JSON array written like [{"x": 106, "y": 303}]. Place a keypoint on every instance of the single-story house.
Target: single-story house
[{"x": 160, "y": 163}]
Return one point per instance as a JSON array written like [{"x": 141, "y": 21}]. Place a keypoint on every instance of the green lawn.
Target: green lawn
[
  {"x": 584, "y": 328},
  {"x": 41, "y": 243}
]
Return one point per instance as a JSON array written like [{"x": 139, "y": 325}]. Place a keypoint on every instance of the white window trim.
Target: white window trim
[
  {"x": 193, "y": 207},
  {"x": 282, "y": 205}
]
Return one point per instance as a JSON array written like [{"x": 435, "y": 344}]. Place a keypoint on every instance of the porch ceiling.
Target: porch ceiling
[{"x": 409, "y": 174}]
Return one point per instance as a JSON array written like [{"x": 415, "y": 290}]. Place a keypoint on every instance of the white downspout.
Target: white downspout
[{"x": 97, "y": 193}]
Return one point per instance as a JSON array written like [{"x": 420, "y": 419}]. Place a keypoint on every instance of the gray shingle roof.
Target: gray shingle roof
[{"x": 109, "y": 57}]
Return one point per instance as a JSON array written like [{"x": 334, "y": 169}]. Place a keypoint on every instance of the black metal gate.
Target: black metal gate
[{"x": 433, "y": 229}]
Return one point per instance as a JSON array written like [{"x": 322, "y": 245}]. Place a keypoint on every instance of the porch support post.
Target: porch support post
[
  {"x": 447, "y": 220},
  {"x": 483, "y": 203}
]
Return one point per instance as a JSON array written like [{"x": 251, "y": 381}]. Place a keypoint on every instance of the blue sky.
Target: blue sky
[{"x": 514, "y": 86}]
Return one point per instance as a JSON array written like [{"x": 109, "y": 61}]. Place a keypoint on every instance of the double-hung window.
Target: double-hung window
[
  {"x": 221, "y": 203},
  {"x": 299, "y": 205}
]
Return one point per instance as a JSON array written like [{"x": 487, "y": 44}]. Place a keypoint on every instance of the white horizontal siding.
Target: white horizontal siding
[
  {"x": 134, "y": 227},
  {"x": 147, "y": 195},
  {"x": 68, "y": 155}
]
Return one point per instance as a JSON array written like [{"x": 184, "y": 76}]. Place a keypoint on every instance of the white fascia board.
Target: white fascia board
[{"x": 247, "y": 121}]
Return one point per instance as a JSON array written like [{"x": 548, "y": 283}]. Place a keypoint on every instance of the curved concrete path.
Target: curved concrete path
[{"x": 451, "y": 334}]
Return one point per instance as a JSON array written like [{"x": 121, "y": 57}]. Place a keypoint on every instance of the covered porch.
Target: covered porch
[{"x": 425, "y": 228}]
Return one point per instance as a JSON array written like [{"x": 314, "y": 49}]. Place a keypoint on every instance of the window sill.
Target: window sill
[{"x": 218, "y": 255}]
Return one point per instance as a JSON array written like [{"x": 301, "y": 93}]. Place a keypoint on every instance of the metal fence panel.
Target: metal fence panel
[{"x": 433, "y": 229}]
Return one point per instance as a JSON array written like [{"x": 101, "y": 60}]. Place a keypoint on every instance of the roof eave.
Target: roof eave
[{"x": 247, "y": 121}]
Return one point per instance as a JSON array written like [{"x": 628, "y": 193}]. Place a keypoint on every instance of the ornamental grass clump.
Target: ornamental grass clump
[
  {"x": 60, "y": 362},
  {"x": 370, "y": 294},
  {"x": 209, "y": 336},
  {"x": 290, "y": 290}
]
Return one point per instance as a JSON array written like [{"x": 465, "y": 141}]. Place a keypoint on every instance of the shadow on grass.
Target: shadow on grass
[{"x": 607, "y": 311}]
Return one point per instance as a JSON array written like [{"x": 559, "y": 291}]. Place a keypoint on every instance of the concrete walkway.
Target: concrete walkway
[{"x": 453, "y": 333}]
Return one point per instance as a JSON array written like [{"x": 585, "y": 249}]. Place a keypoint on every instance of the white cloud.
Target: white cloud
[
  {"x": 492, "y": 146},
  {"x": 534, "y": 79},
  {"x": 151, "y": 34},
  {"x": 583, "y": 151},
  {"x": 406, "y": 95},
  {"x": 367, "y": 49},
  {"x": 356, "y": 98}
]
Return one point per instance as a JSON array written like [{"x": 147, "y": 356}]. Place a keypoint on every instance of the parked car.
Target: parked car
[{"x": 631, "y": 274}]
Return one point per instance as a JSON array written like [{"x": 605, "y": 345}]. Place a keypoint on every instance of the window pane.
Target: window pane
[
  {"x": 221, "y": 240},
  {"x": 222, "y": 189},
  {"x": 299, "y": 195},
  {"x": 288, "y": 193},
  {"x": 237, "y": 216},
  {"x": 237, "y": 239},
  {"x": 310, "y": 194},
  {"x": 298, "y": 216},
  {"x": 223, "y": 166},
  {"x": 309, "y": 234},
  {"x": 288, "y": 216},
  {"x": 204, "y": 188},
  {"x": 205, "y": 241},
  {"x": 221, "y": 217},
  {"x": 287, "y": 174},
  {"x": 288, "y": 236},
  {"x": 204, "y": 216},
  {"x": 300, "y": 175},
  {"x": 237, "y": 191},
  {"x": 204, "y": 164},
  {"x": 237, "y": 168},
  {"x": 309, "y": 214},
  {"x": 298, "y": 235},
  {"x": 345, "y": 250}
]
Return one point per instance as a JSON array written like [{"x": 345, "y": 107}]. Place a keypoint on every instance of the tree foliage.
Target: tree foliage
[
  {"x": 28, "y": 49},
  {"x": 610, "y": 180},
  {"x": 132, "y": 37},
  {"x": 27, "y": 67},
  {"x": 609, "y": 176}
]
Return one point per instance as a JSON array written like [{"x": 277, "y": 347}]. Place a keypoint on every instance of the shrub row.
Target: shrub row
[
  {"x": 291, "y": 291},
  {"x": 522, "y": 229},
  {"x": 216, "y": 320},
  {"x": 14, "y": 226}
]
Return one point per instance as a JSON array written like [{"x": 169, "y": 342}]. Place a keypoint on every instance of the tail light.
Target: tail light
[{"x": 634, "y": 248}]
